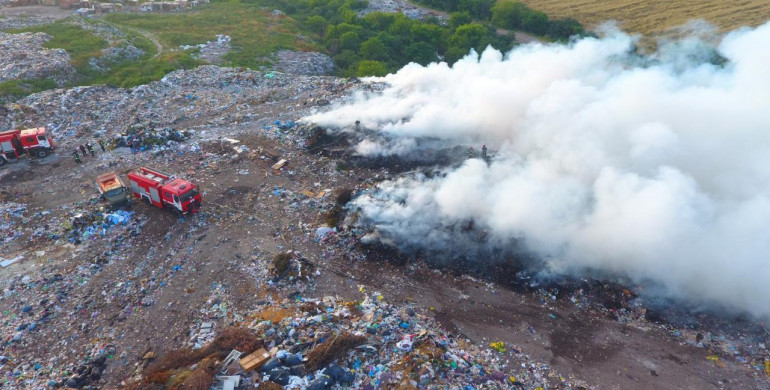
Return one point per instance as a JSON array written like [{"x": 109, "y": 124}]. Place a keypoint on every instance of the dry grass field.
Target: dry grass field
[{"x": 656, "y": 16}]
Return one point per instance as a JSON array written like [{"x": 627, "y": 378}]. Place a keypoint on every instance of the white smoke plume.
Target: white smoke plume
[{"x": 652, "y": 168}]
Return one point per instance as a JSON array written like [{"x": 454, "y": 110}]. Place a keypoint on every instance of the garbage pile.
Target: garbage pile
[
  {"x": 39, "y": 298},
  {"x": 304, "y": 63},
  {"x": 115, "y": 55},
  {"x": 395, "y": 6},
  {"x": 22, "y": 56},
  {"x": 21, "y": 21},
  {"x": 319, "y": 343},
  {"x": 208, "y": 98},
  {"x": 11, "y": 220},
  {"x": 140, "y": 138},
  {"x": 110, "y": 33},
  {"x": 211, "y": 51},
  {"x": 85, "y": 226}
]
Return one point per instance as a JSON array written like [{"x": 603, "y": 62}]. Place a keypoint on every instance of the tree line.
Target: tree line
[
  {"x": 378, "y": 43},
  {"x": 512, "y": 15}
]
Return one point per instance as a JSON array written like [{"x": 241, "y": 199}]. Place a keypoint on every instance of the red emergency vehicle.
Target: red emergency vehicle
[
  {"x": 14, "y": 143},
  {"x": 164, "y": 190}
]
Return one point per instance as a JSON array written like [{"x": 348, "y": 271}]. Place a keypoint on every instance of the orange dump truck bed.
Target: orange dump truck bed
[{"x": 112, "y": 188}]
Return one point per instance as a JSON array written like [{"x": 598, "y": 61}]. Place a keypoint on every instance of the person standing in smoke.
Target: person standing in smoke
[
  {"x": 484, "y": 151},
  {"x": 76, "y": 156},
  {"x": 101, "y": 144},
  {"x": 90, "y": 149},
  {"x": 83, "y": 150}
]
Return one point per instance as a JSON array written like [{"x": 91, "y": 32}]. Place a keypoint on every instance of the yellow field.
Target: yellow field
[{"x": 656, "y": 16}]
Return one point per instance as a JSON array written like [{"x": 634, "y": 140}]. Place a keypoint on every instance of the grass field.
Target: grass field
[
  {"x": 255, "y": 33},
  {"x": 656, "y": 16}
]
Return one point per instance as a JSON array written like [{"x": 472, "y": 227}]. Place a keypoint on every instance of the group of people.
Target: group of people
[
  {"x": 472, "y": 152},
  {"x": 85, "y": 149}
]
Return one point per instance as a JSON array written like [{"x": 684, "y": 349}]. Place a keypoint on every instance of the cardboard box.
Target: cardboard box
[{"x": 254, "y": 360}]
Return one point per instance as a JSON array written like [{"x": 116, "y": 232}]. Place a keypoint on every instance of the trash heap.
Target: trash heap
[
  {"x": 304, "y": 63},
  {"x": 395, "y": 6},
  {"x": 211, "y": 51},
  {"x": 143, "y": 138},
  {"x": 35, "y": 301},
  {"x": 8, "y": 22},
  {"x": 114, "y": 55},
  {"x": 11, "y": 220},
  {"x": 207, "y": 98},
  {"x": 85, "y": 226},
  {"x": 22, "y": 57},
  {"x": 316, "y": 344}
]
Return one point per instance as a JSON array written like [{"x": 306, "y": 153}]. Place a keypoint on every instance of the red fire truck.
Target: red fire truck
[
  {"x": 14, "y": 143},
  {"x": 164, "y": 190}
]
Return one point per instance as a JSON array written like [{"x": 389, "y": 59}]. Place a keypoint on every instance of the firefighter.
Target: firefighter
[
  {"x": 484, "y": 151},
  {"x": 101, "y": 144},
  {"x": 76, "y": 156},
  {"x": 83, "y": 150},
  {"x": 90, "y": 149}
]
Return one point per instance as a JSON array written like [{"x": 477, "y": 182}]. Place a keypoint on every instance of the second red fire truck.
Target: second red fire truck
[
  {"x": 14, "y": 143},
  {"x": 164, "y": 190}
]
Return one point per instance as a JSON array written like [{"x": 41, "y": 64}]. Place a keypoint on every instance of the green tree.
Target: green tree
[
  {"x": 477, "y": 8},
  {"x": 374, "y": 49},
  {"x": 421, "y": 53},
  {"x": 509, "y": 14},
  {"x": 564, "y": 28},
  {"x": 422, "y": 32},
  {"x": 316, "y": 24},
  {"x": 371, "y": 68},
  {"x": 468, "y": 36},
  {"x": 350, "y": 41},
  {"x": 379, "y": 20},
  {"x": 457, "y": 19},
  {"x": 401, "y": 27},
  {"x": 346, "y": 58},
  {"x": 535, "y": 22}
]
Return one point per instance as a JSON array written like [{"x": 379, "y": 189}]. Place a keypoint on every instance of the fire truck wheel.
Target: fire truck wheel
[{"x": 41, "y": 153}]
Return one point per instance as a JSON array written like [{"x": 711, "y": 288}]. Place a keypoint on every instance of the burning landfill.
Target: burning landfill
[{"x": 349, "y": 238}]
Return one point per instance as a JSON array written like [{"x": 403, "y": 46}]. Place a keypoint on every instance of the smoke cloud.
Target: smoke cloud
[{"x": 652, "y": 168}]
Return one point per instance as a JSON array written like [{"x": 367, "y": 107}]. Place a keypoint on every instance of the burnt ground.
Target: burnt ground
[{"x": 125, "y": 290}]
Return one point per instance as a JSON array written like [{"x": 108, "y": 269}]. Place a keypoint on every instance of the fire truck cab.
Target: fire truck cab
[
  {"x": 163, "y": 190},
  {"x": 14, "y": 143}
]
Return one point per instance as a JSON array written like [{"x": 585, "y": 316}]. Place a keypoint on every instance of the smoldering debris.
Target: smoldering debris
[{"x": 651, "y": 170}]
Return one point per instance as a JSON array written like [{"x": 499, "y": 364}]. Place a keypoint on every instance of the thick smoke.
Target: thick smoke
[{"x": 653, "y": 168}]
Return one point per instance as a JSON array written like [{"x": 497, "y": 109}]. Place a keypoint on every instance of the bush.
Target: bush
[{"x": 371, "y": 68}]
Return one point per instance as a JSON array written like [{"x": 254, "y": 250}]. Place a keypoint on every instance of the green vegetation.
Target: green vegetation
[
  {"x": 255, "y": 33},
  {"x": 378, "y": 42},
  {"x": 16, "y": 89},
  {"x": 511, "y": 15},
  {"x": 517, "y": 16}
]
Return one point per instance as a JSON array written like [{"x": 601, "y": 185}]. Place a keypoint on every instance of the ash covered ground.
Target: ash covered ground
[{"x": 98, "y": 290}]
